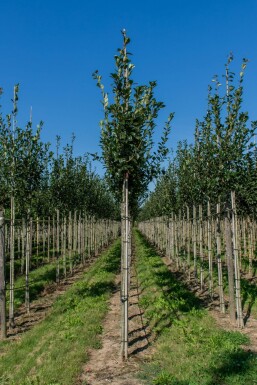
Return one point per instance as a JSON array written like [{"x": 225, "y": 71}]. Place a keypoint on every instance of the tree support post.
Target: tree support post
[
  {"x": 2, "y": 276},
  {"x": 239, "y": 312},
  {"x": 124, "y": 273},
  {"x": 230, "y": 266}
]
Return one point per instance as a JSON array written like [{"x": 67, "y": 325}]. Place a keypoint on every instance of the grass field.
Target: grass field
[
  {"x": 53, "y": 352},
  {"x": 190, "y": 348}
]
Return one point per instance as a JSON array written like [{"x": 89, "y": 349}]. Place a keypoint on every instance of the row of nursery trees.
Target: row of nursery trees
[
  {"x": 53, "y": 247},
  {"x": 54, "y": 211},
  {"x": 38, "y": 181},
  {"x": 213, "y": 247},
  {"x": 202, "y": 211},
  {"x": 223, "y": 157},
  {"x": 216, "y": 177}
]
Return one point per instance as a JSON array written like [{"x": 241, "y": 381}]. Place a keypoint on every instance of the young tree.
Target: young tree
[
  {"x": 128, "y": 150},
  {"x": 23, "y": 157}
]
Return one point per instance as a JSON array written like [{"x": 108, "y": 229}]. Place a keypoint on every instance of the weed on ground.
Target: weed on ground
[
  {"x": 190, "y": 348},
  {"x": 53, "y": 352}
]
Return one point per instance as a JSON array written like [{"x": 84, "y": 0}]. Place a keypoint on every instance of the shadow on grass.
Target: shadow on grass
[
  {"x": 169, "y": 284},
  {"x": 37, "y": 282},
  {"x": 236, "y": 368},
  {"x": 163, "y": 297},
  {"x": 249, "y": 295},
  {"x": 229, "y": 363},
  {"x": 99, "y": 288},
  {"x": 235, "y": 364}
]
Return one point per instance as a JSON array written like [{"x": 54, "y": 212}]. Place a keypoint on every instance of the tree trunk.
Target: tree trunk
[
  {"x": 219, "y": 261},
  {"x": 124, "y": 273},
  {"x": 27, "y": 265},
  {"x": 230, "y": 267},
  {"x": 2, "y": 277},
  {"x": 194, "y": 242},
  {"x": 210, "y": 250},
  {"x": 43, "y": 239},
  {"x": 201, "y": 246},
  {"x": 11, "y": 304},
  {"x": 188, "y": 245},
  {"x": 64, "y": 246},
  {"x": 37, "y": 240},
  {"x": 240, "y": 321},
  {"x": 48, "y": 239},
  {"x": 70, "y": 242},
  {"x": 53, "y": 239},
  {"x": 57, "y": 246},
  {"x": 23, "y": 245}
]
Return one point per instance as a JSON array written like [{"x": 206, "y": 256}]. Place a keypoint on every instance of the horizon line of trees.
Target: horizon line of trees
[
  {"x": 223, "y": 157},
  {"x": 40, "y": 181}
]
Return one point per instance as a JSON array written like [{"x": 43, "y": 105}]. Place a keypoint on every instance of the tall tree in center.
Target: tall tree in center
[{"x": 129, "y": 154}]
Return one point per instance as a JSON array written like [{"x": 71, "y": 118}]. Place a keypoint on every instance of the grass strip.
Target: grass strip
[
  {"x": 53, "y": 352},
  {"x": 38, "y": 278},
  {"x": 248, "y": 285},
  {"x": 190, "y": 348}
]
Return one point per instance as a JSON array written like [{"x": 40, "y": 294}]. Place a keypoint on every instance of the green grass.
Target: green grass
[
  {"x": 190, "y": 348},
  {"x": 53, "y": 352},
  {"x": 248, "y": 288},
  {"x": 38, "y": 279}
]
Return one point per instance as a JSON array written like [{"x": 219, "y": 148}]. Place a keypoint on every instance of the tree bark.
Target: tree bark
[
  {"x": 2, "y": 277},
  {"x": 219, "y": 261},
  {"x": 124, "y": 273},
  {"x": 57, "y": 246},
  {"x": 195, "y": 243},
  {"x": 27, "y": 265},
  {"x": 230, "y": 267},
  {"x": 11, "y": 304},
  {"x": 240, "y": 321},
  {"x": 201, "y": 246},
  {"x": 210, "y": 250}
]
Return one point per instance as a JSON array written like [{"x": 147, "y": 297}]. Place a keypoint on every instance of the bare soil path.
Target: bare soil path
[{"x": 105, "y": 365}]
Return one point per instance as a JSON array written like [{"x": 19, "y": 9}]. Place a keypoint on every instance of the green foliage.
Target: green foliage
[
  {"x": 127, "y": 130},
  {"x": 41, "y": 181},
  {"x": 23, "y": 157},
  {"x": 73, "y": 185},
  {"x": 221, "y": 159}
]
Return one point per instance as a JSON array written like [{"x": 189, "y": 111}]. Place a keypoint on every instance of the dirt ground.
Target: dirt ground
[{"x": 105, "y": 365}]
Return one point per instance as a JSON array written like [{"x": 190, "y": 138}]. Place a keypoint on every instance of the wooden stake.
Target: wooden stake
[
  {"x": 240, "y": 321},
  {"x": 210, "y": 250},
  {"x": 57, "y": 246},
  {"x": 11, "y": 304},
  {"x": 220, "y": 274},
  {"x": 230, "y": 267},
  {"x": 2, "y": 276}
]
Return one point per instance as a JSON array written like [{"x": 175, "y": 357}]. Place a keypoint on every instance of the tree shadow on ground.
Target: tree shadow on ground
[
  {"x": 249, "y": 295},
  {"x": 235, "y": 365}
]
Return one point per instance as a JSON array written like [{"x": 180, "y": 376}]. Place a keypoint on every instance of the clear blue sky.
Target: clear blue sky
[{"x": 52, "y": 47}]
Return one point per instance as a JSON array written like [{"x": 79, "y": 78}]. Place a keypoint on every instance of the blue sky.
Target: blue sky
[{"x": 52, "y": 47}]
